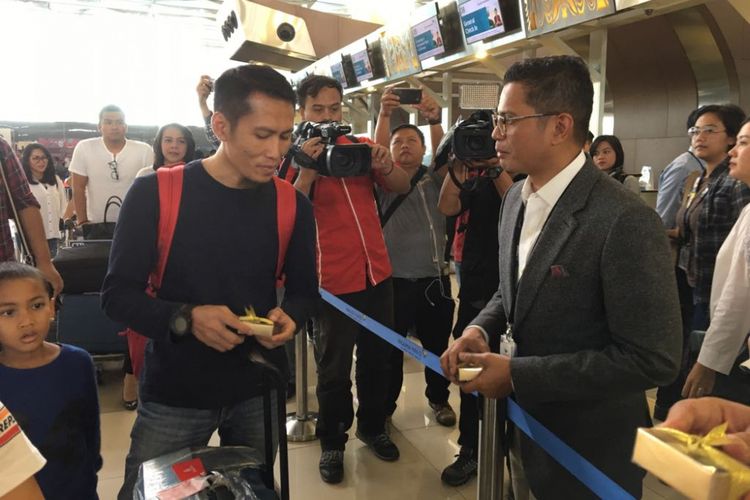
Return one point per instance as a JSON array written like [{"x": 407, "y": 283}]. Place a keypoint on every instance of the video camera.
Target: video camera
[
  {"x": 336, "y": 160},
  {"x": 472, "y": 138}
]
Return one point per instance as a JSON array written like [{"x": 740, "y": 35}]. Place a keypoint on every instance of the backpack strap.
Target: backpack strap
[
  {"x": 286, "y": 213},
  {"x": 170, "y": 193}
]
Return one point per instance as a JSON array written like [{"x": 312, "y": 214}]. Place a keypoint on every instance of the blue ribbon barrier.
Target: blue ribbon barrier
[{"x": 581, "y": 468}]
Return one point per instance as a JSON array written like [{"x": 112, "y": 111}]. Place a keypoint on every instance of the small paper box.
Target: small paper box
[{"x": 698, "y": 471}]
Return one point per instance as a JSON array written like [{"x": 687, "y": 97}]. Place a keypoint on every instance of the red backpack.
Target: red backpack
[{"x": 170, "y": 194}]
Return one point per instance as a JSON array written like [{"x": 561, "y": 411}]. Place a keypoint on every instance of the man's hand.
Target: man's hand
[
  {"x": 50, "y": 272},
  {"x": 381, "y": 159},
  {"x": 283, "y": 332},
  {"x": 389, "y": 101},
  {"x": 700, "y": 382},
  {"x": 494, "y": 379},
  {"x": 313, "y": 147},
  {"x": 472, "y": 341},
  {"x": 429, "y": 107},
  {"x": 204, "y": 88},
  {"x": 211, "y": 326},
  {"x": 699, "y": 416}
]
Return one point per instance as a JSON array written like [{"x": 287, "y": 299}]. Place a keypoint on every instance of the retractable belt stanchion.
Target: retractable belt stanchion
[
  {"x": 300, "y": 425},
  {"x": 490, "y": 449},
  {"x": 491, "y": 463}
]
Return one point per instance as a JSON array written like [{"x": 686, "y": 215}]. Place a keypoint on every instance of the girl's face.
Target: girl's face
[
  {"x": 709, "y": 138},
  {"x": 604, "y": 157},
  {"x": 173, "y": 146},
  {"x": 38, "y": 162},
  {"x": 739, "y": 156},
  {"x": 25, "y": 314}
]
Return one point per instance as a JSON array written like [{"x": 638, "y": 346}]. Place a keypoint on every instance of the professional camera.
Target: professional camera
[
  {"x": 472, "y": 138},
  {"x": 336, "y": 160}
]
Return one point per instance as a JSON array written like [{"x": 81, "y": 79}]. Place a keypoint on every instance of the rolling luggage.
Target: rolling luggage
[
  {"x": 82, "y": 323},
  {"x": 231, "y": 472},
  {"x": 83, "y": 265}
]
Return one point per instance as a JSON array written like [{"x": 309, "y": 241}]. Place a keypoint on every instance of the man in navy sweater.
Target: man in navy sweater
[{"x": 198, "y": 376}]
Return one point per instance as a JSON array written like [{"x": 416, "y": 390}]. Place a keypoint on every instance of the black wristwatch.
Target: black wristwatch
[{"x": 181, "y": 322}]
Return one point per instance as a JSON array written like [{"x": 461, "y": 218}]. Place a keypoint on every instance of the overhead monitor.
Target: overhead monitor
[
  {"x": 362, "y": 66},
  {"x": 337, "y": 70},
  {"x": 481, "y": 19},
  {"x": 399, "y": 53},
  {"x": 428, "y": 38}
]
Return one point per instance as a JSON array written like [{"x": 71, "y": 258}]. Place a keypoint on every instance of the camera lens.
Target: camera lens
[{"x": 476, "y": 143}]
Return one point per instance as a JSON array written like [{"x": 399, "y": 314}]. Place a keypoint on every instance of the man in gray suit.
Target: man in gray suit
[{"x": 586, "y": 292}]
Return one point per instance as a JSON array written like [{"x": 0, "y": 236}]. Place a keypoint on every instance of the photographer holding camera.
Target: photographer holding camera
[
  {"x": 415, "y": 234},
  {"x": 475, "y": 184},
  {"x": 353, "y": 264}
]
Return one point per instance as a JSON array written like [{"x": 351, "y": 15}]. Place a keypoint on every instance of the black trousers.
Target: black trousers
[
  {"x": 424, "y": 304},
  {"x": 468, "y": 421},
  {"x": 333, "y": 352},
  {"x": 668, "y": 395}
]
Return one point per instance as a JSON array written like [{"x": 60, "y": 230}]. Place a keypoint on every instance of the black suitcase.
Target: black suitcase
[
  {"x": 82, "y": 323},
  {"x": 83, "y": 265}
]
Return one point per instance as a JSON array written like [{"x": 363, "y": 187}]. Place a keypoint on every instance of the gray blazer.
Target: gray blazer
[{"x": 597, "y": 322}]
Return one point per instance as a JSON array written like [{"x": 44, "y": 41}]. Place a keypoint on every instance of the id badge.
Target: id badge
[{"x": 507, "y": 346}]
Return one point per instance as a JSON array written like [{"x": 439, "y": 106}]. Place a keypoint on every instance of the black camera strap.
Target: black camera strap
[{"x": 400, "y": 198}]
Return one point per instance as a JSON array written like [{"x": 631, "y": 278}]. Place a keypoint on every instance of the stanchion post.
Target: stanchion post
[
  {"x": 491, "y": 461},
  {"x": 300, "y": 425}
]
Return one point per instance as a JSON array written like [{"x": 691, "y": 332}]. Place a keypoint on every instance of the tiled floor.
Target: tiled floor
[{"x": 426, "y": 448}]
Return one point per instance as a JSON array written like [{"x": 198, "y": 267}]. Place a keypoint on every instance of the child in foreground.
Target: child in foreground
[{"x": 50, "y": 388}]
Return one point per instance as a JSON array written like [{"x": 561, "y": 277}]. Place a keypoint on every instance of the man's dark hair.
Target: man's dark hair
[
  {"x": 557, "y": 84},
  {"x": 189, "y": 142},
  {"x": 730, "y": 115},
  {"x": 311, "y": 85},
  {"x": 616, "y": 145},
  {"x": 109, "y": 108},
  {"x": 235, "y": 85},
  {"x": 409, "y": 126}
]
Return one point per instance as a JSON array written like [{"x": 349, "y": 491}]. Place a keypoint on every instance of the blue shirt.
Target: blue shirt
[
  {"x": 57, "y": 407},
  {"x": 672, "y": 184}
]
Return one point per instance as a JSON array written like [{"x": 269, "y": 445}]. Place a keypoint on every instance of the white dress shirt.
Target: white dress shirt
[
  {"x": 539, "y": 205},
  {"x": 730, "y": 297}
]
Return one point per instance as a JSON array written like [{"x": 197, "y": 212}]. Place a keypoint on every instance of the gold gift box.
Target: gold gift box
[{"x": 691, "y": 464}]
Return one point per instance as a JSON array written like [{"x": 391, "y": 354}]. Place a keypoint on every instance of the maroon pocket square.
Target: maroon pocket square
[{"x": 558, "y": 271}]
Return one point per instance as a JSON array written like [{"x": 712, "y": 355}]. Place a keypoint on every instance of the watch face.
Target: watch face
[{"x": 180, "y": 325}]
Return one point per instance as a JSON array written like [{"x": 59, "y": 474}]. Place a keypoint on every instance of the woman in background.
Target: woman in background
[
  {"x": 716, "y": 371},
  {"x": 608, "y": 155},
  {"x": 48, "y": 190},
  {"x": 173, "y": 145}
]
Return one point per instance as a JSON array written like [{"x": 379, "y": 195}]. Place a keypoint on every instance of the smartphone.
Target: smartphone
[{"x": 408, "y": 95}]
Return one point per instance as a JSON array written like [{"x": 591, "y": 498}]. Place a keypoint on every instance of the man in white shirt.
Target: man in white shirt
[
  {"x": 587, "y": 297},
  {"x": 106, "y": 166},
  {"x": 19, "y": 461}
]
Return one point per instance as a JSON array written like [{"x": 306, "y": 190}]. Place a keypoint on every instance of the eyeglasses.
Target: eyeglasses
[
  {"x": 114, "y": 174},
  {"x": 501, "y": 121},
  {"x": 38, "y": 158},
  {"x": 708, "y": 129}
]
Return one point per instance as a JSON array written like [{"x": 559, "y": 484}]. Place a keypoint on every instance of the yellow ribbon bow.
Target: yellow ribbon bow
[{"x": 703, "y": 449}]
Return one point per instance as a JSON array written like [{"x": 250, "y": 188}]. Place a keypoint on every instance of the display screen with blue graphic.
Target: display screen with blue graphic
[
  {"x": 362, "y": 67},
  {"x": 337, "y": 70},
  {"x": 427, "y": 38},
  {"x": 480, "y": 19}
]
